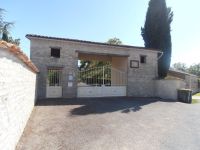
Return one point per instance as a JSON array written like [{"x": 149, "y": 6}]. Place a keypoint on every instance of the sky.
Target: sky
[{"x": 99, "y": 20}]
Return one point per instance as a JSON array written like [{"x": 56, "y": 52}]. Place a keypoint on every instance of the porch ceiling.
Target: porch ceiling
[{"x": 84, "y": 55}]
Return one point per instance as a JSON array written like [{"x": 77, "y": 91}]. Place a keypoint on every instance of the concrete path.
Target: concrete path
[
  {"x": 196, "y": 97},
  {"x": 112, "y": 124}
]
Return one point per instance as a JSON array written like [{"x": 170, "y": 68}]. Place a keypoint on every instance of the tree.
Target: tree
[
  {"x": 180, "y": 66},
  {"x": 1, "y": 19},
  {"x": 84, "y": 64},
  {"x": 89, "y": 64},
  {"x": 14, "y": 41},
  {"x": 156, "y": 33},
  {"x": 4, "y": 30},
  {"x": 194, "y": 69},
  {"x": 115, "y": 41},
  {"x": 6, "y": 34}
]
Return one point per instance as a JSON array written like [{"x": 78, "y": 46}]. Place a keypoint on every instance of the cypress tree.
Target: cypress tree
[{"x": 156, "y": 33}]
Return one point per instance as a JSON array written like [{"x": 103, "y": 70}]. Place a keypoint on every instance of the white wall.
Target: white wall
[
  {"x": 17, "y": 96},
  {"x": 167, "y": 89}
]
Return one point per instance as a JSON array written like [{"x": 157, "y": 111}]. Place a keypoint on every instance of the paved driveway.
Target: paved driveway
[{"x": 112, "y": 124}]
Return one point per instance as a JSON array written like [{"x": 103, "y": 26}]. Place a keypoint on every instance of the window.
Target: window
[
  {"x": 143, "y": 59},
  {"x": 54, "y": 77},
  {"x": 55, "y": 52}
]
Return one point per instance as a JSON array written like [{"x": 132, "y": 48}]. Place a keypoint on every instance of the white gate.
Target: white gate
[
  {"x": 101, "y": 82},
  {"x": 54, "y": 83}
]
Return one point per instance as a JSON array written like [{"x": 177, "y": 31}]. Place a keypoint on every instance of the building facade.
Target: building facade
[{"x": 133, "y": 69}]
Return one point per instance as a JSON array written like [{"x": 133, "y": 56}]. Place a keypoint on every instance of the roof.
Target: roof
[
  {"x": 29, "y": 36},
  {"x": 180, "y": 72},
  {"x": 19, "y": 53}
]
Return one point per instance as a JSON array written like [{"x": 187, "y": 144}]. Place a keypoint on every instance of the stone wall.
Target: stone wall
[
  {"x": 167, "y": 89},
  {"x": 190, "y": 79},
  {"x": 17, "y": 97},
  {"x": 68, "y": 61},
  {"x": 140, "y": 80},
  {"x": 192, "y": 83}
]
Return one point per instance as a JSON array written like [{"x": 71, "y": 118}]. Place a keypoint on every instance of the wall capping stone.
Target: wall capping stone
[{"x": 19, "y": 53}]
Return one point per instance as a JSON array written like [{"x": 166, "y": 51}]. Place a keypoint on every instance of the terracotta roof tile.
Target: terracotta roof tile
[{"x": 19, "y": 53}]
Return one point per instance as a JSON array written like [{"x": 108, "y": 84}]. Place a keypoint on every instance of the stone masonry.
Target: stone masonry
[{"x": 140, "y": 80}]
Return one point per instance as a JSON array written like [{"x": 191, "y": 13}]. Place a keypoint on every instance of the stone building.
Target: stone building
[
  {"x": 191, "y": 80},
  {"x": 132, "y": 70}
]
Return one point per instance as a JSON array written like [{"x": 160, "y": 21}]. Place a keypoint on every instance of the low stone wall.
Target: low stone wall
[
  {"x": 167, "y": 89},
  {"x": 190, "y": 79},
  {"x": 192, "y": 83},
  {"x": 17, "y": 97}
]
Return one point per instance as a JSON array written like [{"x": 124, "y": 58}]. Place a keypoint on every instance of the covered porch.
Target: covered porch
[{"x": 103, "y": 75}]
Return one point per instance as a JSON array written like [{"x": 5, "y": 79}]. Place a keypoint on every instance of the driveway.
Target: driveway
[{"x": 112, "y": 124}]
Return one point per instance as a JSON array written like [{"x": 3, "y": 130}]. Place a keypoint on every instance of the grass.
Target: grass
[
  {"x": 194, "y": 101},
  {"x": 198, "y": 94}
]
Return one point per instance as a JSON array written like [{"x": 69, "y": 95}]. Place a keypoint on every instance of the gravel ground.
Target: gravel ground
[{"x": 112, "y": 124}]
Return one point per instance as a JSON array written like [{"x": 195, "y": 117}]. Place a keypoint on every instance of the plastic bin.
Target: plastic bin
[{"x": 185, "y": 95}]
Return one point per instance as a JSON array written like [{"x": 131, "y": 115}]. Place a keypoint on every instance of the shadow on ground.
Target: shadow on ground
[{"x": 102, "y": 105}]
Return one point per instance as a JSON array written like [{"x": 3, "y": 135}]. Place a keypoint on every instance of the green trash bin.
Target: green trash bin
[{"x": 185, "y": 95}]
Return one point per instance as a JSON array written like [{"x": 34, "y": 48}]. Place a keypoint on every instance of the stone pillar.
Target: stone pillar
[
  {"x": 70, "y": 78},
  {"x": 41, "y": 80}
]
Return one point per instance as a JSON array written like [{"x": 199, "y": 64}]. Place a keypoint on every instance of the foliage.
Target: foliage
[
  {"x": 53, "y": 78},
  {"x": 114, "y": 41},
  {"x": 194, "y": 101},
  {"x": 1, "y": 18},
  {"x": 4, "y": 30},
  {"x": 180, "y": 66},
  {"x": 197, "y": 94},
  {"x": 194, "y": 69},
  {"x": 96, "y": 75},
  {"x": 84, "y": 64},
  {"x": 14, "y": 41},
  {"x": 156, "y": 32}
]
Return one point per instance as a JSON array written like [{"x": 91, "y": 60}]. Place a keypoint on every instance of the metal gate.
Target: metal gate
[
  {"x": 54, "y": 83},
  {"x": 102, "y": 81}
]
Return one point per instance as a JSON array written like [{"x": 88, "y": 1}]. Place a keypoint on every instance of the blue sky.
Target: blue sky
[{"x": 99, "y": 20}]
